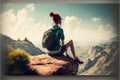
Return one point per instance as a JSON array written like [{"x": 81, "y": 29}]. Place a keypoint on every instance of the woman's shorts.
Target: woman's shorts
[{"x": 63, "y": 49}]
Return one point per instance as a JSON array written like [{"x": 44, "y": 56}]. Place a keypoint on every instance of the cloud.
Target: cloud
[
  {"x": 72, "y": 20},
  {"x": 95, "y": 19},
  {"x": 31, "y": 7},
  {"x": 71, "y": 24},
  {"x": 21, "y": 25},
  {"x": 101, "y": 28},
  {"x": 82, "y": 35},
  {"x": 107, "y": 27}
]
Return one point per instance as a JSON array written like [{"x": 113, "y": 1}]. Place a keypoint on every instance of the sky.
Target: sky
[{"x": 83, "y": 23}]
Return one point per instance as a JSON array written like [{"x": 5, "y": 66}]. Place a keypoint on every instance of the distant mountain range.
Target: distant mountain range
[
  {"x": 103, "y": 61},
  {"x": 25, "y": 45}
]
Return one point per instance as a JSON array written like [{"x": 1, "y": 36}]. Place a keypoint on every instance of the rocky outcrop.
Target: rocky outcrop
[{"x": 53, "y": 65}]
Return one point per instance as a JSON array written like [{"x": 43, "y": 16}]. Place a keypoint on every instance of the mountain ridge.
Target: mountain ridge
[{"x": 25, "y": 45}]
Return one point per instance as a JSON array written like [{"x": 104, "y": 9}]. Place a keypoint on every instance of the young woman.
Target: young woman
[{"x": 58, "y": 48}]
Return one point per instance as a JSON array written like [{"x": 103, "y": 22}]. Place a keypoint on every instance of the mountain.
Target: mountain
[
  {"x": 104, "y": 61},
  {"x": 116, "y": 38},
  {"x": 5, "y": 40},
  {"x": 25, "y": 45}
]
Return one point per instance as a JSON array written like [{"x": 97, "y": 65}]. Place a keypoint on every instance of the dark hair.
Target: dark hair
[{"x": 56, "y": 18}]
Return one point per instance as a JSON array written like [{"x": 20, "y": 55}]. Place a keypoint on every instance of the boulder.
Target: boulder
[{"x": 45, "y": 64}]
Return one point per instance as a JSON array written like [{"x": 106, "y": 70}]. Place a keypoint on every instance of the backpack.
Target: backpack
[{"x": 48, "y": 39}]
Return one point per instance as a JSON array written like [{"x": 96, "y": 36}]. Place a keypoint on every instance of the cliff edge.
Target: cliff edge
[{"x": 45, "y": 64}]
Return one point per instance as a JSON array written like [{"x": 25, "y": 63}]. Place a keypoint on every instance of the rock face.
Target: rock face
[{"x": 53, "y": 65}]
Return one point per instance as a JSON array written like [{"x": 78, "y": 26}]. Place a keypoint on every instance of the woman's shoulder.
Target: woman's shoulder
[
  {"x": 61, "y": 29},
  {"x": 56, "y": 27}
]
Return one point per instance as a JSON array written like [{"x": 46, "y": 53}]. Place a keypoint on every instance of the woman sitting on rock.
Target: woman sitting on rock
[{"x": 59, "y": 47}]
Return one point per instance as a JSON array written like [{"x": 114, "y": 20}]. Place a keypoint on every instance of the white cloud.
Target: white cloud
[
  {"x": 21, "y": 25},
  {"x": 95, "y": 19},
  {"x": 22, "y": 16},
  {"x": 71, "y": 25},
  {"x": 82, "y": 35},
  {"x": 107, "y": 27},
  {"x": 72, "y": 21},
  {"x": 31, "y": 7},
  {"x": 101, "y": 28}
]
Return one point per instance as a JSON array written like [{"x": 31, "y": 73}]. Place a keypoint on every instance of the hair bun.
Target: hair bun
[{"x": 51, "y": 14}]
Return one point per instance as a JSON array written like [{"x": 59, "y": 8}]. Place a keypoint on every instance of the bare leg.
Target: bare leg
[{"x": 70, "y": 44}]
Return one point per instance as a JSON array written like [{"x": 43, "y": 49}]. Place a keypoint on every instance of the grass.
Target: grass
[{"x": 17, "y": 61}]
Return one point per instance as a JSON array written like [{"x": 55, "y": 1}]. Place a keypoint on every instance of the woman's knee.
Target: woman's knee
[{"x": 71, "y": 41}]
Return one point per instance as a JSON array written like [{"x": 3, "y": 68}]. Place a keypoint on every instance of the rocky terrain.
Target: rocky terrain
[
  {"x": 39, "y": 62},
  {"x": 49, "y": 65},
  {"x": 101, "y": 59}
]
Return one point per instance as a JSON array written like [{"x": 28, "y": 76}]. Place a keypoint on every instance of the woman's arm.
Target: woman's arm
[
  {"x": 62, "y": 42},
  {"x": 62, "y": 37}
]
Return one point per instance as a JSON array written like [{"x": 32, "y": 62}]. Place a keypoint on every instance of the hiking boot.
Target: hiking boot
[{"x": 77, "y": 60}]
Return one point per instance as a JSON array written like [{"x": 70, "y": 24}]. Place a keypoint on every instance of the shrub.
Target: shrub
[{"x": 17, "y": 61}]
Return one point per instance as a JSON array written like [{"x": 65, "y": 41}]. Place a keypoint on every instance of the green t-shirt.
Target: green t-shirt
[{"x": 59, "y": 34}]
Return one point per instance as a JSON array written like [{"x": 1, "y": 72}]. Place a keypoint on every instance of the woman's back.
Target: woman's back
[{"x": 59, "y": 34}]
